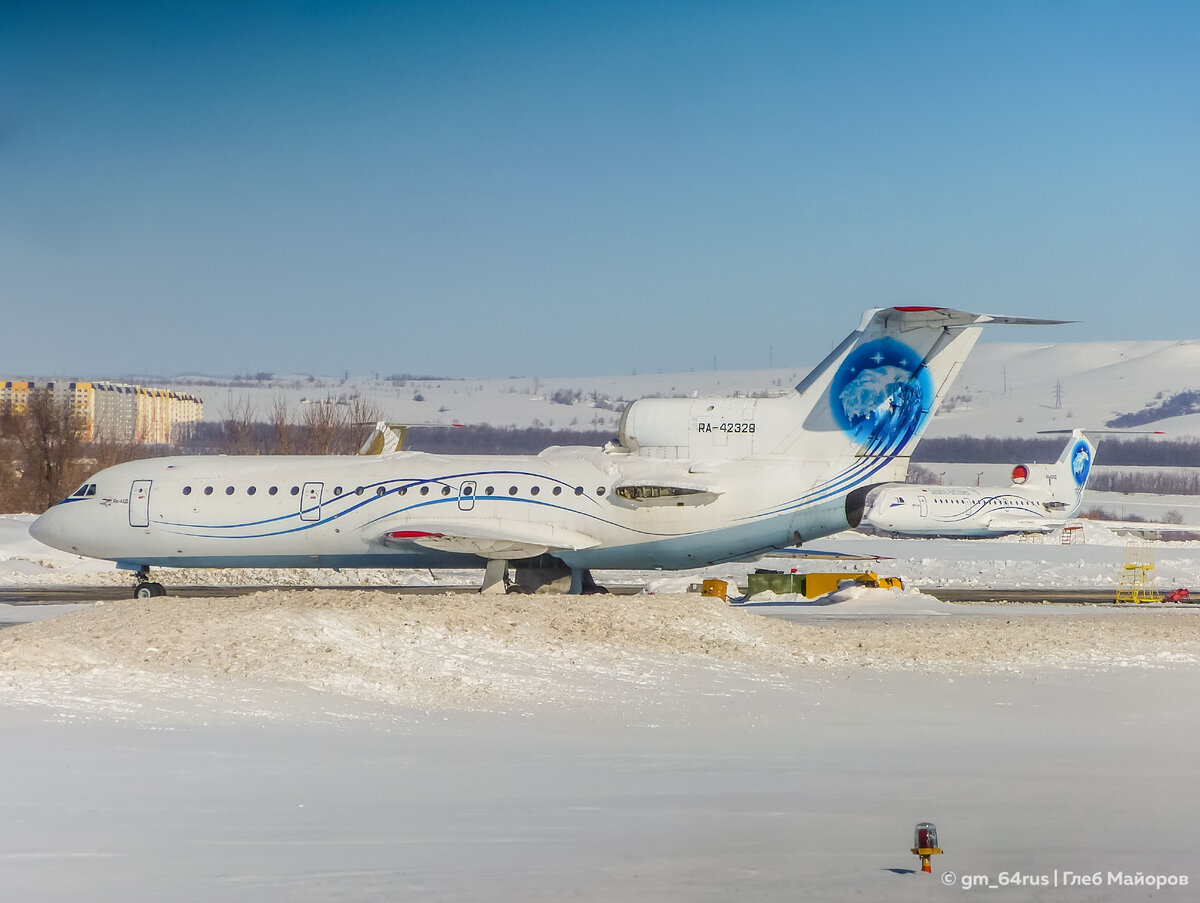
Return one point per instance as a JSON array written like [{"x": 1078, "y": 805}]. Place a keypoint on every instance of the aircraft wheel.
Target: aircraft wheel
[{"x": 148, "y": 590}]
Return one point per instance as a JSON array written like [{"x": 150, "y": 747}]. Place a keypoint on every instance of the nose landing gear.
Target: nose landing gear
[{"x": 145, "y": 587}]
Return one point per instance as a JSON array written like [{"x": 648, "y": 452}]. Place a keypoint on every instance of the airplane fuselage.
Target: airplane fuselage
[
  {"x": 388, "y": 511},
  {"x": 690, "y": 481},
  {"x": 961, "y": 511}
]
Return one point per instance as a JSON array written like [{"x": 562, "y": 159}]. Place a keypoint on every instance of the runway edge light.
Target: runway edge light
[{"x": 925, "y": 843}]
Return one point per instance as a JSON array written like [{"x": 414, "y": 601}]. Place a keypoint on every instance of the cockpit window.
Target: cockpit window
[{"x": 85, "y": 490}]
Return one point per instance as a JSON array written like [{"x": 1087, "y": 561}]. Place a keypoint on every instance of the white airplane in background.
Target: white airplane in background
[
  {"x": 1042, "y": 497},
  {"x": 691, "y": 482}
]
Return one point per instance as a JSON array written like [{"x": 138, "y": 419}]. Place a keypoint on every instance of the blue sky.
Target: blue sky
[{"x": 562, "y": 188}]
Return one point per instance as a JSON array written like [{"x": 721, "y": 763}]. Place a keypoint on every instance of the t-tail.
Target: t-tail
[
  {"x": 875, "y": 394},
  {"x": 868, "y": 402},
  {"x": 1072, "y": 470},
  {"x": 1067, "y": 477}
]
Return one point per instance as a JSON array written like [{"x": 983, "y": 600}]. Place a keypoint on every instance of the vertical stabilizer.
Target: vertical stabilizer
[
  {"x": 1072, "y": 470},
  {"x": 875, "y": 394}
]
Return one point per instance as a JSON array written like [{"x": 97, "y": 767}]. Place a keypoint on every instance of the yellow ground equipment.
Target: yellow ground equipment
[
  {"x": 717, "y": 588},
  {"x": 1136, "y": 581},
  {"x": 812, "y": 585}
]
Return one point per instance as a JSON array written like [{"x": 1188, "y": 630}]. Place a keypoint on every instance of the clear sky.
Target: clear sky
[{"x": 566, "y": 188}]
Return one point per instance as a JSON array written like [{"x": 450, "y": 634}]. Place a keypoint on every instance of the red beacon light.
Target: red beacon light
[
  {"x": 925, "y": 843},
  {"x": 1020, "y": 474}
]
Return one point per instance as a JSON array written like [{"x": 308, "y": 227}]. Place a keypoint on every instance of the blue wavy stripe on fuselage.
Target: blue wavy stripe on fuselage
[
  {"x": 190, "y": 530},
  {"x": 399, "y": 482},
  {"x": 865, "y": 467}
]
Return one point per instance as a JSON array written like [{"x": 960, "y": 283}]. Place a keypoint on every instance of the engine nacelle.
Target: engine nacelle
[{"x": 700, "y": 427}]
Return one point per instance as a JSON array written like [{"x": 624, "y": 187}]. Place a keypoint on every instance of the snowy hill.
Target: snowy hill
[{"x": 1005, "y": 389}]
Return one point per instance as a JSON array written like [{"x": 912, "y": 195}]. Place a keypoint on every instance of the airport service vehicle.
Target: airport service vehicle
[{"x": 690, "y": 482}]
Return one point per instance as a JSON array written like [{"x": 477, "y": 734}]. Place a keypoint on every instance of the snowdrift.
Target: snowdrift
[{"x": 464, "y": 652}]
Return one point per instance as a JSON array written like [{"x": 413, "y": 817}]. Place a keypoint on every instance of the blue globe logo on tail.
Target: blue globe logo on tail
[
  {"x": 1081, "y": 462},
  {"x": 881, "y": 395}
]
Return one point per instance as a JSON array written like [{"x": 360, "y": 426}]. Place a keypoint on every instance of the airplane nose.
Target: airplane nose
[{"x": 47, "y": 530}]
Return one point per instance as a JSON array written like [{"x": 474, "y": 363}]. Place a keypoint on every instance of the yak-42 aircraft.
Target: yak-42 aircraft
[
  {"x": 1042, "y": 497},
  {"x": 690, "y": 482}
]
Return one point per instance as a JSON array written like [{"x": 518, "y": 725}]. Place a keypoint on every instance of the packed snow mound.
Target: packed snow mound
[
  {"x": 468, "y": 652},
  {"x": 857, "y": 601}
]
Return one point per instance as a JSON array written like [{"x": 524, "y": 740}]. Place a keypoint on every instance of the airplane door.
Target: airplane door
[
  {"x": 466, "y": 496},
  {"x": 310, "y": 501},
  {"x": 139, "y": 503},
  {"x": 924, "y": 505}
]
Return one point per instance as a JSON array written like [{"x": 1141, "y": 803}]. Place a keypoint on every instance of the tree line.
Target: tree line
[
  {"x": 1141, "y": 451},
  {"x": 43, "y": 456}
]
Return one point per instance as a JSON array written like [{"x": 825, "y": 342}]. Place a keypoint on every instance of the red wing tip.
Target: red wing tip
[
  {"x": 914, "y": 310},
  {"x": 414, "y": 534}
]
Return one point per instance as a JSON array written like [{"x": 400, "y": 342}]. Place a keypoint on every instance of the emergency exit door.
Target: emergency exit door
[
  {"x": 310, "y": 501},
  {"x": 139, "y": 503}
]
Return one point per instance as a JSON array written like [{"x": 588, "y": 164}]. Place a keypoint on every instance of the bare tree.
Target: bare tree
[
  {"x": 281, "y": 422},
  {"x": 238, "y": 424},
  {"x": 322, "y": 420},
  {"x": 335, "y": 427},
  {"x": 361, "y": 415},
  {"x": 48, "y": 439}
]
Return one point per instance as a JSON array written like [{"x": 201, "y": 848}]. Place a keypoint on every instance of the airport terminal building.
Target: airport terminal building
[{"x": 114, "y": 412}]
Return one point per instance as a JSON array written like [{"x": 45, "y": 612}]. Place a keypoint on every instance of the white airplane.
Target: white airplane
[
  {"x": 691, "y": 482},
  {"x": 1041, "y": 498}
]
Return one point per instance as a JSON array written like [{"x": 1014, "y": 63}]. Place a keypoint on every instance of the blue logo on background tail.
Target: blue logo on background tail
[
  {"x": 881, "y": 395},
  {"x": 1081, "y": 462}
]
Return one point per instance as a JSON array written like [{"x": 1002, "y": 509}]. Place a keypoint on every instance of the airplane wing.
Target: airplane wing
[
  {"x": 818, "y": 554},
  {"x": 507, "y": 541},
  {"x": 1000, "y": 525}
]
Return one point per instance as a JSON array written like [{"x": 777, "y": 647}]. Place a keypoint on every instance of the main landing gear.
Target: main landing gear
[
  {"x": 544, "y": 574},
  {"x": 146, "y": 588}
]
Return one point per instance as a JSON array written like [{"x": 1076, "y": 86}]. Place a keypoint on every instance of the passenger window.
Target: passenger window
[
  {"x": 250, "y": 490},
  {"x": 403, "y": 490},
  {"x": 445, "y": 490},
  {"x": 358, "y": 491},
  {"x": 187, "y": 490},
  {"x": 512, "y": 490},
  {"x": 380, "y": 491},
  {"x": 579, "y": 490},
  {"x": 489, "y": 490},
  {"x": 229, "y": 490},
  {"x": 600, "y": 490},
  {"x": 535, "y": 490},
  {"x": 558, "y": 490},
  {"x": 295, "y": 490},
  {"x": 424, "y": 490},
  {"x": 273, "y": 490},
  {"x": 337, "y": 490},
  {"x": 208, "y": 490}
]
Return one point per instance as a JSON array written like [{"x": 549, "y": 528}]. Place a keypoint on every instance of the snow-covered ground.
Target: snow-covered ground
[{"x": 350, "y": 744}]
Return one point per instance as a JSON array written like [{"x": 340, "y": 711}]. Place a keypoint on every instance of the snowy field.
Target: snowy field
[
  {"x": 296, "y": 745},
  {"x": 1004, "y": 389}
]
